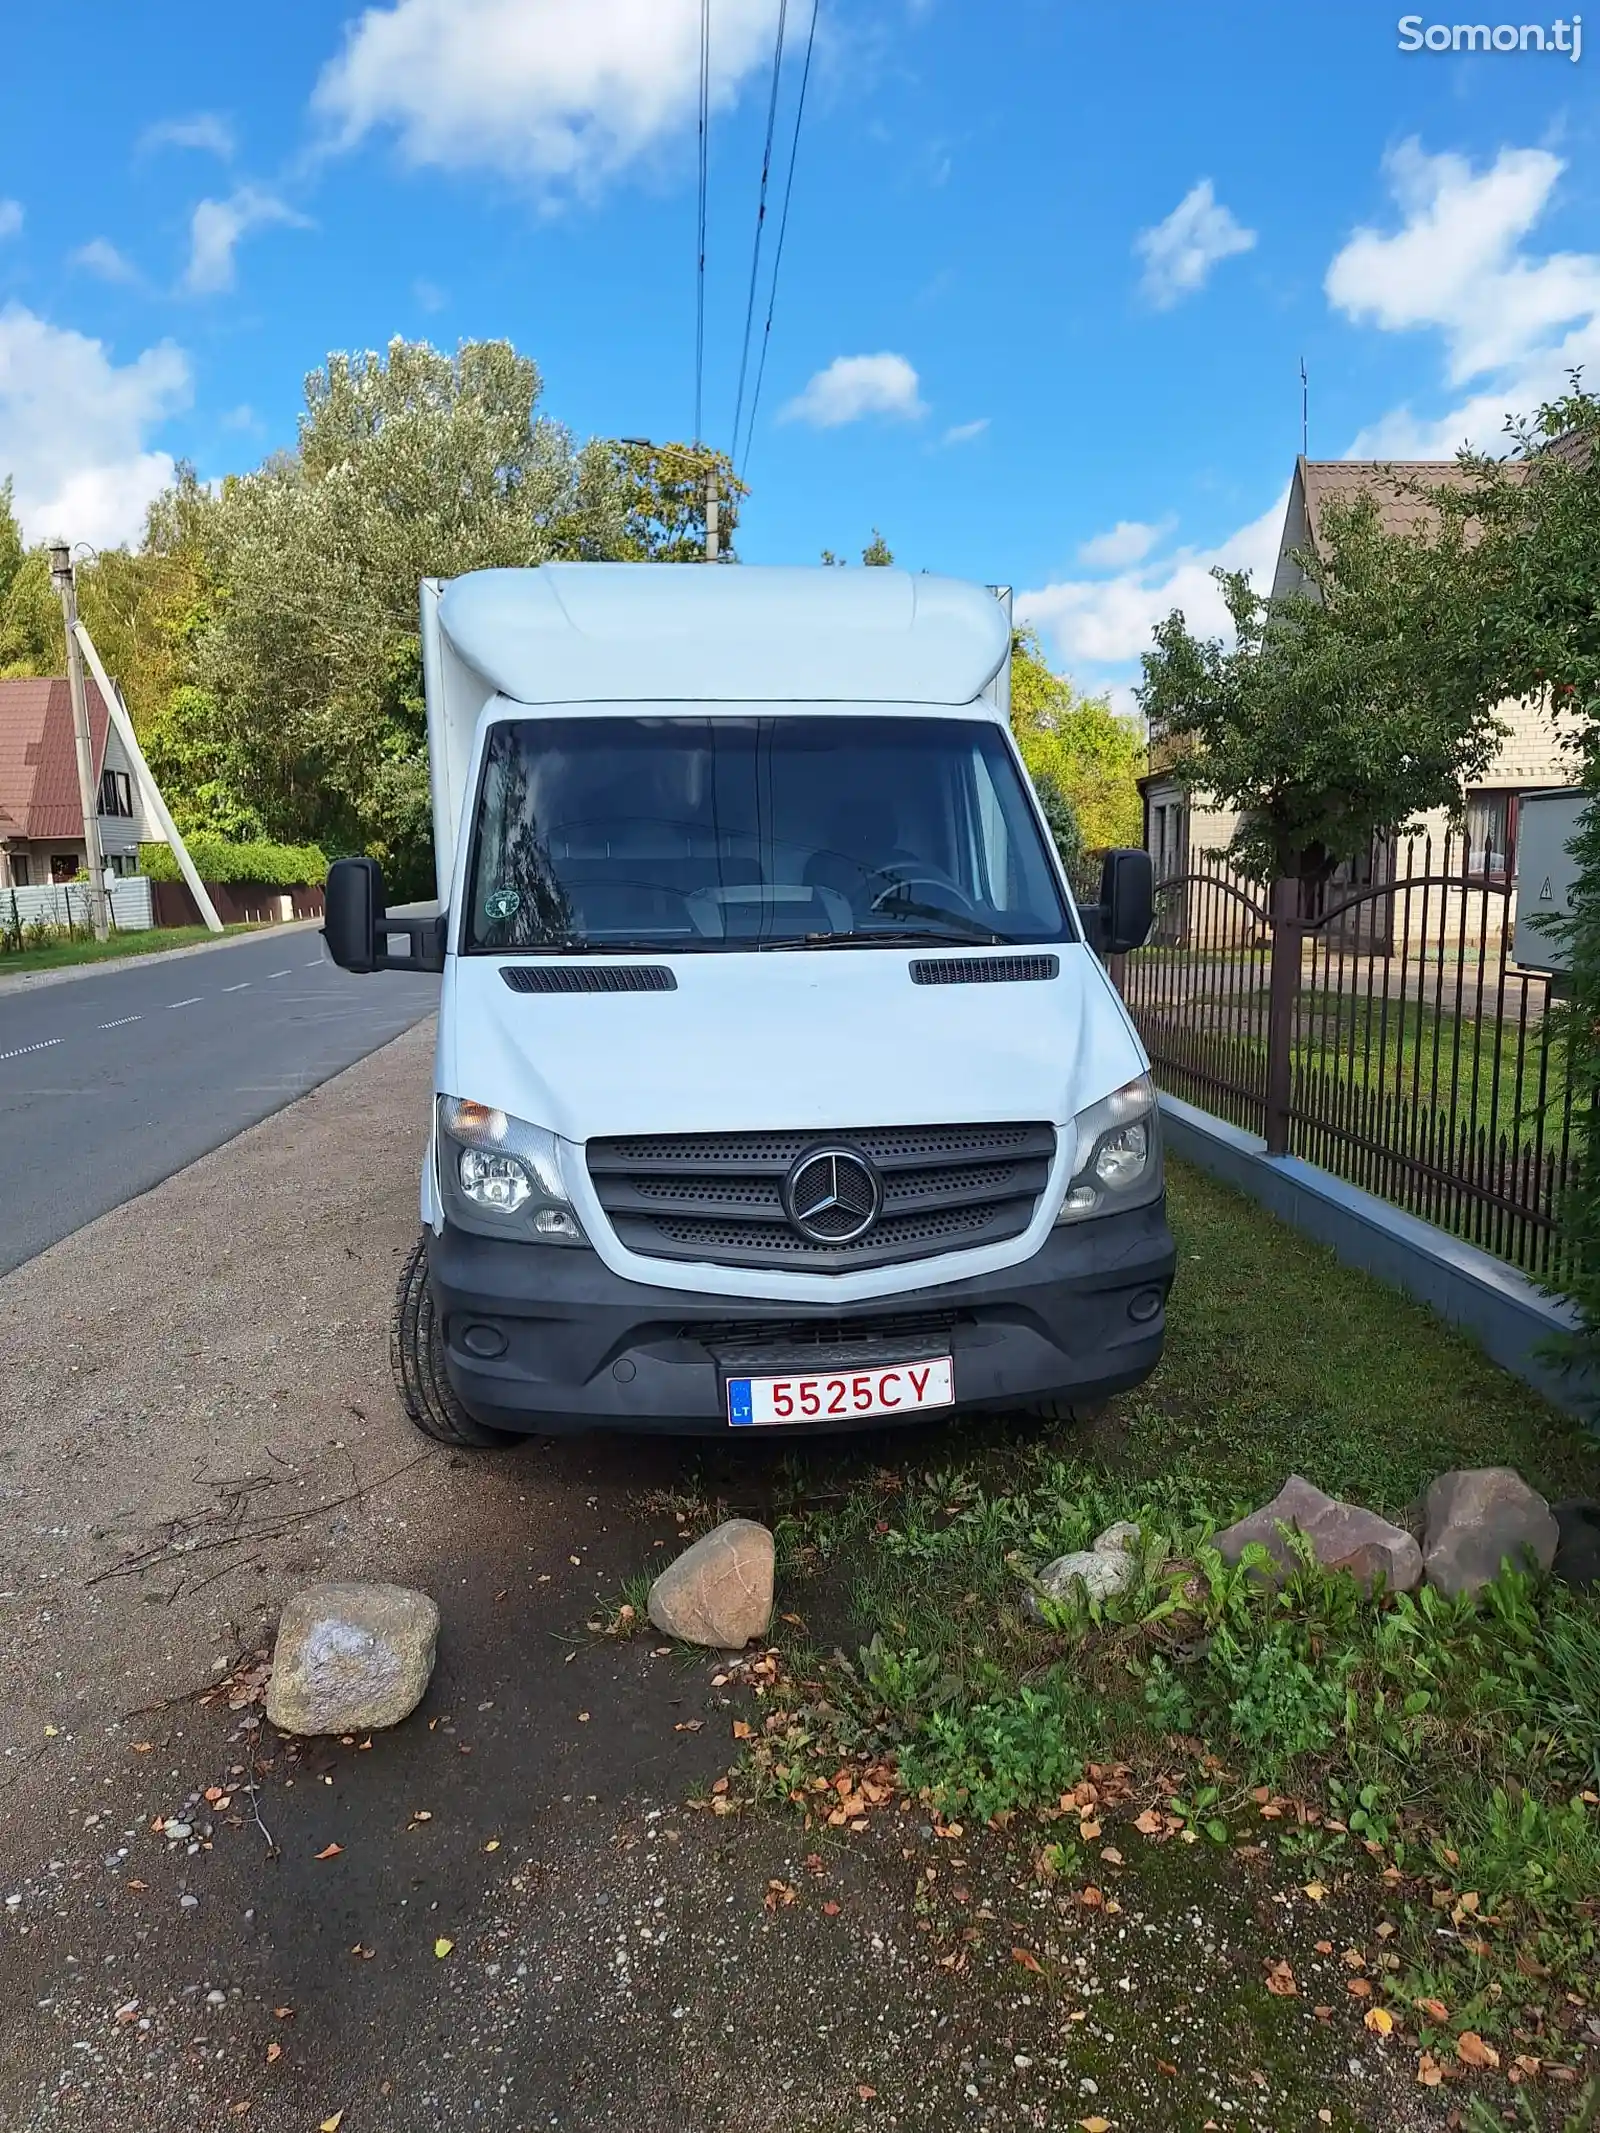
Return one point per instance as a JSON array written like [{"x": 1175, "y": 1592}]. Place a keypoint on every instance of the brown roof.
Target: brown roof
[
  {"x": 1391, "y": 483},
  {"x": 39, "y": 758}
]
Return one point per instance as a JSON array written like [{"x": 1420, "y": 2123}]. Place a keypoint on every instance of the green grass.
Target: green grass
[
  {"x": 1455, "y": 1744},
  {"x": 153, "y": 941}
]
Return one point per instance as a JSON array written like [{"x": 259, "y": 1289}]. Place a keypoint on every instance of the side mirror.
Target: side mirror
[
  {"x": 1127, "y": 900},
  {"x": 357, "y": 927},
  {"x": 352, "y": 911}
]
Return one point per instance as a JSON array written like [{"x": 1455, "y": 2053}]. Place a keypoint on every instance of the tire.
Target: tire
[{"x": 416, "y": 1356}]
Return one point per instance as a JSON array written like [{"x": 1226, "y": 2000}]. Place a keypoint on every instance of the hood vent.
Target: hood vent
[
  {"x": 986, "y": 970},
  {"x": 588, "y": 977}
]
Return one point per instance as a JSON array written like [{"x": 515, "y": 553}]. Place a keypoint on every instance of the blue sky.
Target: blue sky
[{"x": 1050, "y": 273}]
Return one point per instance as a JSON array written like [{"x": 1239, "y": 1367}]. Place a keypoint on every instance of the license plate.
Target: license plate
[{"x": 840, "y": 1395}]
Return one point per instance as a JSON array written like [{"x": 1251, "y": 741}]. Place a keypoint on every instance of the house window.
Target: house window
[
  {"x": 1492, "y": 834},
  {"x": 122, "y": 864},
  {"x": 20, "y": 872},
  {"x": 116, "y": 793},
  {"x": 65, "y": 866}
]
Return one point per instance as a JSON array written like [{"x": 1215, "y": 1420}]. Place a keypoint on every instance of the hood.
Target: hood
[{"x": 824, "y": 1039}]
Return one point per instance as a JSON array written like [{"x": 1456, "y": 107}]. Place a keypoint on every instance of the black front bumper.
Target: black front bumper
[{"x": 575, "y": 1346}]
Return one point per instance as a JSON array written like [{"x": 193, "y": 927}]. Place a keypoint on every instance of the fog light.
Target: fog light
[
  {"x": 1145, "y": 1306},
  {"x": 555, "y": 1222},
  {"x": 485, "y": 1342},
  {"x": 1079, "y": 1200}
]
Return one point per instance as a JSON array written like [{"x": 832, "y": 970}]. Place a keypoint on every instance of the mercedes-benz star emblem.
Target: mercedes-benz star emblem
[{"x": 833, "y": 1196}]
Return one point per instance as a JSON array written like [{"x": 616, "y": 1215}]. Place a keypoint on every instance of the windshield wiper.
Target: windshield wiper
[{"x": 895, "y": 937}]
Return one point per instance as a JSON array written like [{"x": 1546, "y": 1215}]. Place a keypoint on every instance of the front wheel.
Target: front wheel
[{"x": 416, "y": 1356}]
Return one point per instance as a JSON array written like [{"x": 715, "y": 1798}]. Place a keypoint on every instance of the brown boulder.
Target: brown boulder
[
  {"x": 1343, "y": 1536},
  {"x": 1479, "y": 1519},
  {"x": 719, "y": 1592}
]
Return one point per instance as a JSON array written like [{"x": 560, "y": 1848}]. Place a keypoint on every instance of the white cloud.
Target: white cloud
[
  {"x": 204, "y": 130},
  {"x": 75, "y": 427},
  {"x": 854, "y": 386},
  {"x": 1513, "y": 324},
  {"x": 216, "y": 228},
  {"x": 964, "y": 432},
  {"x": 100, "y": 257},
  {"x": 1106, "y": 622},
  {"x": 563, "y": 93},
  {"x": 1179, "y": 253},
  {"x": 10, "y": 217},
  {"x": 1130, "y": 540}
]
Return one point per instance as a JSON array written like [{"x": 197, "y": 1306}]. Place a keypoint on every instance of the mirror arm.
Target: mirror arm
[{"x": 426, "y": 938}]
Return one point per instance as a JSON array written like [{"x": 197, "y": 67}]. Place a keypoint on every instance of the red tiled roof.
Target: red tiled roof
[{"x": 39, "y": 759}]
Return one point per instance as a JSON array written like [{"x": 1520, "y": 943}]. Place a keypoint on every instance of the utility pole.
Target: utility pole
[
  {"x": 61, "y": 577},
  {"x": 712, "y": 512}
]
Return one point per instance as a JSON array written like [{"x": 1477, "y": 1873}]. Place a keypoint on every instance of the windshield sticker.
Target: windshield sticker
[{"x": 501, "y": 904}]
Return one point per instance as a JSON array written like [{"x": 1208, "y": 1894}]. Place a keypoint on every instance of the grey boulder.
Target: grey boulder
[
  {"x": 1124, "y": 1538},
  {"x": 1342, "y": 1536},
  {"x": 718, "y": 1592},
  {"x": 1478, "y": 1519},
  {"x": 351, "y": 1658},
  {"x": 1090, "y": 1573}
]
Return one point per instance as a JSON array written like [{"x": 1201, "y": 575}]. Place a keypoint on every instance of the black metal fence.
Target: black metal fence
[{"x": 1384, "y": 1031}]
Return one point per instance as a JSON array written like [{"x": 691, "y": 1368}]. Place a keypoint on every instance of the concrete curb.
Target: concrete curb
[
  {"x": 1508, "y": 1316},
  {"x": 37, "y": 980}
]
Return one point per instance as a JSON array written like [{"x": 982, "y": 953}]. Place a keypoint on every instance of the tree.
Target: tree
[
  {"x": 877, "y": 554},
  {"x": 663, "y": 502},
  {"x": 1338, "y": 712},
  {"x": 1078, "y": 748}
]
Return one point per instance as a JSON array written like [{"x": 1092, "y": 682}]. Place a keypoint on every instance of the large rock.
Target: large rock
[
  {"x": 1091, "y": 1573},
  {"x": 719, "y": 1592},
  {"x": 1480, "y": 1518},
  {"x": 351, "y": 1658},
  {"x": 1577, "y": 1560},
  {"x": 1343, "y": 1536}
]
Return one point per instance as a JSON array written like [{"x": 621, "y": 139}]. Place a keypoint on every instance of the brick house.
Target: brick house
[
  {"x": 41, "y": 816},
  {"x": 1529, "y": 758}
]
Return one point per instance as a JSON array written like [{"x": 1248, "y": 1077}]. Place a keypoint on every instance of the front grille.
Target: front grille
[
  {"x": 741, "y": 1346},
  {"x": 985, "y": 969},
  {"x": 718, "y": 1197}
]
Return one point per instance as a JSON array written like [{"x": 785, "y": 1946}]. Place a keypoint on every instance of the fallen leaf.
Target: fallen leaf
[
  {"x": 1359, "y": 1989},
  {"x": 1091, "y": 1898},
  {"x": 1315, "y": 1890},
  {"x": 1028, "y": 1960},
  {"x": 143, "y": 1747},
  {"x": 1111, "y": 1855},
  {"x": 1323, "y": 1947},
  {"x": 422, "y": 1814},
  {"x": 284, "y": 2014},
  {"x": 1471, "y": 2050},
  {"x": 583, "y": 1718},
  {"x": 493, "y": 1845},
  {"x": 332, "y": 2125},
  {"x": 213, "y": 1793},
  {"x": 1280, "y": 1981},
  {"x": 720, "y": 1786},
  {"x": 330, "y": 1851},
  {"x": 1095, "y": 2125},
  {"x": 442, "y": 1947},
  {"x": 1088, "y": 1830},
  {"x": 688, "y": 1725},
  {"x": 274, "y": 2052},
  {"x": 1379, "y": 2021},
  {"x": 1149, "y": 1824},
  {"x": 1323, "y": 2014},
  {"x": 830, "y": 1909},
  {"x": 1429, "y": 2072},
  {"x": 1435, "y": 2010},
  {"x": 865, "y": 2092}
]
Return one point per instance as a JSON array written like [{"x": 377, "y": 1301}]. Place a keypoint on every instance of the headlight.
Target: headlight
[
  {"x": 501, "y": 1177},
  {"x": 1117, "y": 1157}
]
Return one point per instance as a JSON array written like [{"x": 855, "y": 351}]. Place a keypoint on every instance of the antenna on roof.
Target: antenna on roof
[{"x": 1305, "y": 411}]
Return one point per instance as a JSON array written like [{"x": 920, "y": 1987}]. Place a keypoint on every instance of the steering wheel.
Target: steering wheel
[{"x": 953, "y": 896}]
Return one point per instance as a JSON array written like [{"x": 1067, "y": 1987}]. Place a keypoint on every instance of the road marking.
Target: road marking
[
  {"x": 192, "y": 1001},
  {"x": 23, "y": 1050},
  {"x": 317, "y": 965},
  {"x": 245, "y": 987},
  {"x": 271, "y": 974},
  {"x": 122, "y": 1021}
]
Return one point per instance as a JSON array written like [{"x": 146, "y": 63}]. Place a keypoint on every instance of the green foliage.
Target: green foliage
[
  {"x": 1084, "y": 760},
  {"x": 277, "y": 866},
  {"x": 877, "y": 554},
  {"x": 1339, "y": 711}
]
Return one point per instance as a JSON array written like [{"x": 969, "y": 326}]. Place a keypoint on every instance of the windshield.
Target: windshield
[{"x": 687, "y": 834}]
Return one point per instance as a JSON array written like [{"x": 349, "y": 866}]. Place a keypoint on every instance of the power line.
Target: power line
[
  {"x": 700, "y": 240},
  {"x": 761, "y": 217},
  {"x": 783, "y": 228}
]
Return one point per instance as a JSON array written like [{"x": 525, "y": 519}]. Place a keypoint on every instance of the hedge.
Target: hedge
[{"x": 276, "y": 866}]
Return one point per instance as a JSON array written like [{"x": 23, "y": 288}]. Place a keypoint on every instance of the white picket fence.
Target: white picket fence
[{"x": 130, "y": 905}]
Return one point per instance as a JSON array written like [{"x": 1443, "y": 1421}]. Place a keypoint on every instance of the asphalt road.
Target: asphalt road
[{"x": 111, "y": 1082}]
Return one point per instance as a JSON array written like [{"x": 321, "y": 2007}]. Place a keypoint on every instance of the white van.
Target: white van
[{"x": 779, "y": 1083}]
